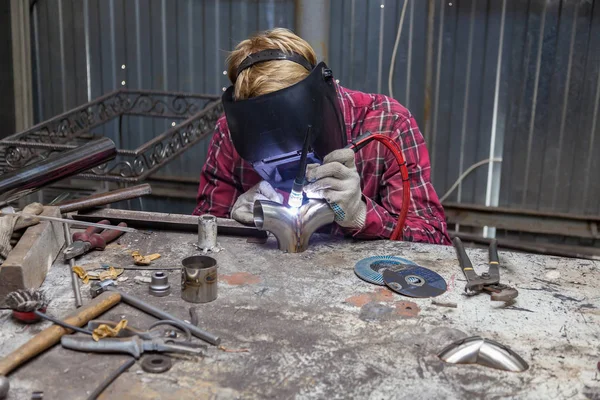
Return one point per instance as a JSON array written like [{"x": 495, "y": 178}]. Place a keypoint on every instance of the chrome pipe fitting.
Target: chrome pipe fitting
[{"x": 292, "y": 227}]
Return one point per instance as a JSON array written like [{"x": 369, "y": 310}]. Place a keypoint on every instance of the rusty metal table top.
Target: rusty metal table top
[{"x": 304, "y": 326}]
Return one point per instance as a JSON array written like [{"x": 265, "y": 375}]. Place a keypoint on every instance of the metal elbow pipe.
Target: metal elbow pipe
[{"x": 292, "y": 227}]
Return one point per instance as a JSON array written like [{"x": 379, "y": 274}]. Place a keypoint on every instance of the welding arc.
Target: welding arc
[{"x": 397, "y": 152}]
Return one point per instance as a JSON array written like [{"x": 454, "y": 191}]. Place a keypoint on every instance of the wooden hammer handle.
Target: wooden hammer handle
[{"x": 51, "y": 335}]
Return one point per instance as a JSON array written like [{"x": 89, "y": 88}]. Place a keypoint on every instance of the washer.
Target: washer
[{"x": 156, "y": 363}]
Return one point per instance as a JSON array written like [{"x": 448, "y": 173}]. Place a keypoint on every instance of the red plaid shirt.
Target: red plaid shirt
[{"x": 226, "y": 175}]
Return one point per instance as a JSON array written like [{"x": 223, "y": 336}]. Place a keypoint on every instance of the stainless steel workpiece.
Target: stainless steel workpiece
[
  {"x": 159, "y": 284},
  {"x": 199, "y": 279},
  {"x": 156, "y": 363},
  {"x": 207, "y": 232},
  {"x": 99, "y": 287}
]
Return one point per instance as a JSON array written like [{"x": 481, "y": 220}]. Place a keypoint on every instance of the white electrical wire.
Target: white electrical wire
[
  {"x": 395, "y": 52},
  {"x": 467, "y": 172}
]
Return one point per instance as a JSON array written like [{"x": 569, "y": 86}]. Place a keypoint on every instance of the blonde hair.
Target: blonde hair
[{"x": 268, "y": 76}]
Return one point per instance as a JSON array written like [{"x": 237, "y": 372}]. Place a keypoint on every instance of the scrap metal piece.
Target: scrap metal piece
[
  {"x": 207, "y": 232},
  {"x": 292, "y": 227},
  {"x": 486, "y": 352},
  {"x": 37, "y": 395},
  {"x": 156, "y": 363},
  {"x": 159, "y": 286}
]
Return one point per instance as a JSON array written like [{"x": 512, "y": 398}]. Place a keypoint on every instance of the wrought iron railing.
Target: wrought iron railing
[{"x": 197, "y": 115}]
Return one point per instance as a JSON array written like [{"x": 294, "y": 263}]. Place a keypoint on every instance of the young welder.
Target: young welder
[{"x": 279, "y": 97}]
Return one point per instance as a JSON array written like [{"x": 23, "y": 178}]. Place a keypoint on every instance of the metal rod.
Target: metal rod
[
  {"x": 109, "y": 379},
  {"x": 74, "y": 222},
  {"x": 31, "y": 178},
  {"x": 74, "y": 277},
  {"x": 163, "y": 221},
  {"x": 160, "y": 314},
  {"x": 103, "y": 199}
]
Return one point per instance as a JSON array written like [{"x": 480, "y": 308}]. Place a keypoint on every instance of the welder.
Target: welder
[{"x": 283, "y": 107}]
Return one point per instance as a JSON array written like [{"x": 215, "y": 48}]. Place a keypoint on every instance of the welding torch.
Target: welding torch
[{"x": 296, "y": 196}]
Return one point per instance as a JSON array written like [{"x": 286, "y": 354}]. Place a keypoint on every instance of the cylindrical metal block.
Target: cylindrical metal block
[
  {"x": 159, "y": 285},
  {"x": 199, "y": 279},
  {"x": 207, "y": 232}
]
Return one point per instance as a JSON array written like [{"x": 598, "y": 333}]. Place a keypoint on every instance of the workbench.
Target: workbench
[{"x": 305, "y": 326}]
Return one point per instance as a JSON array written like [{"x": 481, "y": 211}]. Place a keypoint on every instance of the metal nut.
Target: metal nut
[
  {"x": 159, "y": 285},
  {"x": 156, "y": 363}
]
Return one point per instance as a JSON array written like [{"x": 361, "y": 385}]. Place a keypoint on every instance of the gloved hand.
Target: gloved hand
[
  {"x": 243, "y": 209},
  {"x": 337, "y": 181},
  {"x": 10, "y": 223}
]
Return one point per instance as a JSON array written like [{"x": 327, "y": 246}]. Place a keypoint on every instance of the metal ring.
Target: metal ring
[
  {"x": 176, "y": 324},
  {"x": 156, "y": 363}
]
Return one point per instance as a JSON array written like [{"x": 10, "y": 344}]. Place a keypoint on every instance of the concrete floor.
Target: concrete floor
[{"x": 304, "y": 326}]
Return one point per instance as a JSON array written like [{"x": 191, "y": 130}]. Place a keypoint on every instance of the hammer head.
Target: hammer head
[{"x": 100, "y": 287}]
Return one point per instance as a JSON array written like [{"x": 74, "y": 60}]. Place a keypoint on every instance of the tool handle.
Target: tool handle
[
  {"x": 494, "y": 252},
  {"x": 51, "y": 335},
  {"x": 128, "y": 345},
  {"x": 110, "y": 234},
  {"x": 463, "y": 258},
  {"x": 85, "y": 235}
]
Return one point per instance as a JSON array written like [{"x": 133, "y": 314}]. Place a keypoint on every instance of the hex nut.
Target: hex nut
[{"x": 159, "y": 284}]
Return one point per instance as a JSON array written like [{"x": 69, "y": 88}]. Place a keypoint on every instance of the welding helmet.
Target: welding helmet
[{"x": 268, "y": 131}]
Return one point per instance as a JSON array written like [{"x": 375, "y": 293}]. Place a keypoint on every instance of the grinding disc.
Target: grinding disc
[
  {"x": 415, "y": 281},
  {"x": 370, "y": 269}
]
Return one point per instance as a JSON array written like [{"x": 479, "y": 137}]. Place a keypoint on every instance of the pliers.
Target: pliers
[
  {"x": 92, "y": 239},
  {"x": 132, "y": 341},
  {"x": 488, "y": 281},
  {"x": 133, "y": 345}
]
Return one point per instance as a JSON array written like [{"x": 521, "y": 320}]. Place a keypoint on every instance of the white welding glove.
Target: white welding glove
[
  {"x": 243, "y": 209},
  {"x": 337, "y": 181}
]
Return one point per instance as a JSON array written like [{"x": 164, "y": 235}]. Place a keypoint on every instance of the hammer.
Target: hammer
[
  {"x": 51, "y": 335},
  {"x": 98, "y": 288}
]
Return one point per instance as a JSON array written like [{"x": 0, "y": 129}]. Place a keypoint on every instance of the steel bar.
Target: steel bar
[
  {"x": 74, "y": 277},
  {"x": 582, "y": 226},
  {"x": 71, "y": 221},
  {"x": 160, "y": 314},
  {"x": 29, "y": 179},
  {"x": 103, "y": 199},
  {"x": 110, "y": 378},
  {"x": 163, "y": 221}
]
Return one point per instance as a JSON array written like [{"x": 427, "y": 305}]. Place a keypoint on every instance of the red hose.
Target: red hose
[{"x": 396, "y": 150}]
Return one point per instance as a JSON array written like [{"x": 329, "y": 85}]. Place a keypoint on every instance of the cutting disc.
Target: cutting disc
[
  {"x": 370, "y": 269},
  {"x": 415, "y": 281}
]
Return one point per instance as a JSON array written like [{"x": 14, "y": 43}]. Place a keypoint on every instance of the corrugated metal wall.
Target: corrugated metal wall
[{"x": 514, "y": 79}]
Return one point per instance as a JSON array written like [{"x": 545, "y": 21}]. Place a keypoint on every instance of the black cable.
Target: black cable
[
  {"x": 111, "y": 378},
  {"x": 62, "y": 323}
]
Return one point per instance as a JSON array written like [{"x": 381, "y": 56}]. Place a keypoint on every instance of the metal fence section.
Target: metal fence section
[{"x": 511, "y": 79}]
